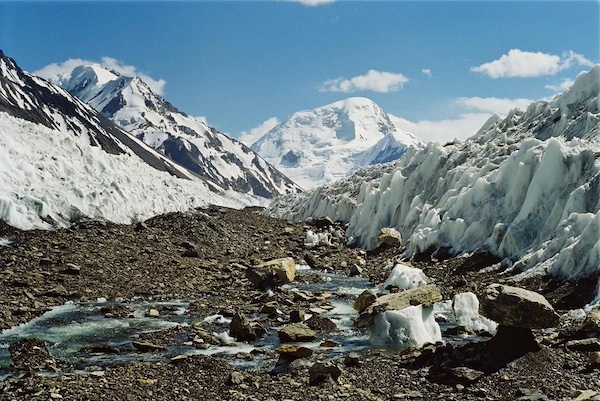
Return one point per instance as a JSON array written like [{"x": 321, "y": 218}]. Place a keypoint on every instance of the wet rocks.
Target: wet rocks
[
  {"x": 517, "y": 307},
  {"x": 390, "y": 236},
  {"x": 364, "y": 300},
  {"x": 296, "y": 332},
  {"x": 319, "y": 323},
  {"x": 243, "y": 330},
  {"x": 426, "y": 295}
]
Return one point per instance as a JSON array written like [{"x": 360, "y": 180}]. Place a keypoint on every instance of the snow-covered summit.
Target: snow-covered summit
[
  {"x": 61, "y": 162},
  {"x": 316, "y": 147},
  {"x": 129, "y": 102},
  {"x": 525, "y": 188}
]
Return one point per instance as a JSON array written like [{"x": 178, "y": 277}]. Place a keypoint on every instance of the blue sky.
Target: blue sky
[{"x": 440, "y": 67}]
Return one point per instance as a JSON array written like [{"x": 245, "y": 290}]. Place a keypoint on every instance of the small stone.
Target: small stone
[
  {"x": 408, "y": 394},
  {"x": 296, "y": 332},
  {"x": 586, "y": 344},
  {"x": 321, "y": 372},
  {"x": 584, "y": 395},
  {"x": 297, "y": 316},
  {"x": 235, "y": 378},
  {"x": 153, "y": 313},
  {"x": 466, "y": 374},
  {"x": 390, "y": 236},
  {"x": 55, "y": 395},
  {"x": 147, "y": 382},
  {"x": 364, "y": 300},
  {"x": 294, "y": 351},
  {"x": 71, "y": 269},
  {"x": 355, "y": 270},
  {"x": 594, "y": 358},
  {"x": 352, "y": 359},
  {"x": 147, "y": 347}
]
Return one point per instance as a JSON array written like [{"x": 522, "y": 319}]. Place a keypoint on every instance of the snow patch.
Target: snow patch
[{"x": 413, "y": 326}]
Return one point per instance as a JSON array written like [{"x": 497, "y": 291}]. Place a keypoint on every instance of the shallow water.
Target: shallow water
[{"x": 70, "y": 330}]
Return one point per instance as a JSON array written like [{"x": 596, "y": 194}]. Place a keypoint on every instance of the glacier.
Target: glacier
[
  {"x": 78, "y": 181},
  {"x": 526, "y": 188}
]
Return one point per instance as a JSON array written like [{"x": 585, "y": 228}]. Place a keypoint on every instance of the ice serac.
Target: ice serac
[
  {"x": 316, "y": 147},
  {"x": 61, "y": 162},
  {"x": 524, "y": 188},
  {"x": 130, "y": 103}
]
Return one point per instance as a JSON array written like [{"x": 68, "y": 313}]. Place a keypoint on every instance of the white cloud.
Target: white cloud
[
  {"x": 493, "y": 104},
  {"x": 443, "y": 131},
  {"x": 53, "y": 69},
  {"x": 523, "y": 64},
  {"x": 249, "y": 137},
  {"x": 562, "y": 86},
  {"x": 376, "y": 81},
  {"x": 312, "y": 3},
  {"x": 426, "y": 72}
]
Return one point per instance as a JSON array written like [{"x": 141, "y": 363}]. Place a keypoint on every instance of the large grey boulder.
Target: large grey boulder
[
  {"x": 517, "y": 307},
  {"x": 273, "y": 272},
  {"x": 426, "y": 295}
]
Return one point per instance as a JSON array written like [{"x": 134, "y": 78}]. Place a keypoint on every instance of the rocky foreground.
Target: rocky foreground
[{"x": 210, "y": 257}]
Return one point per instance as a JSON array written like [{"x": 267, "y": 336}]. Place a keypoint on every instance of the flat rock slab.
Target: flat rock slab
[
  {"x": 296, "y": 332},
  {"x": 426, "y": 295},
  {"x": 517, "y": 307}
]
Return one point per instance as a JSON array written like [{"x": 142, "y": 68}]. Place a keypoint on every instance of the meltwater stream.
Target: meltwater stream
[{"x": 71, "y": 331}]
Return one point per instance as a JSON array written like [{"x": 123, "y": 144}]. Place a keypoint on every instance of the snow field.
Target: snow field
[{"x": 43, "y": 191}]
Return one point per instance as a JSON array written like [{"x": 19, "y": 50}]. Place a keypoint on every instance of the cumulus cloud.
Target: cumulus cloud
[
  {"x": 493, "y": 104},
  {"x": 312, "y": 3},
  {"x": 53, "y": 69},
  {"x": 376, "y": 81},
  {"x": 523, "y": 64},
  {"x": 562, "y": 86},
  {"x": 249, "y": 137},
  {"x": 426, "y": 72},
  {"x": 462, "y": 127}
]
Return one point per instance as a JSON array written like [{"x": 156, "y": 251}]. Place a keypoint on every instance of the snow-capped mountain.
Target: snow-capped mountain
[
  {"x": 61, "y": 161},
  {"x": 316, "y": 147},
  {"x": 130, "y": 103},
  {"x": 525, "y": 188}
]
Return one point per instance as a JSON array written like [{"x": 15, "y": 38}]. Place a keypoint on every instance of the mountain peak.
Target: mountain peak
[
  {"x": 315, "y": 147},
  {"x": 134, "y": 106}
]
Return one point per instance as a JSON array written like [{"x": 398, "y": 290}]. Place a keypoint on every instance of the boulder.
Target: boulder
[
  {"x": 296, "y": 332},
  {"x": 426, "y": 296},
  {"x": 272, "y": 273},
  {"x": 243, "y": 330},
  {"x": 390, "y": 236},
  {"x": 291, "y": 358},
  {"x": 321, "y": 372},
  {"x": 517, "y": 307},
  {"x": 364, "y": 300}
]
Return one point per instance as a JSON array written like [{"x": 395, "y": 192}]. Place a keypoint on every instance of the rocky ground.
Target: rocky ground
[{"x": 204, "y": 257}]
